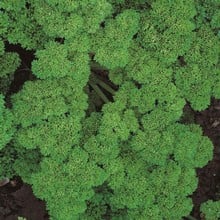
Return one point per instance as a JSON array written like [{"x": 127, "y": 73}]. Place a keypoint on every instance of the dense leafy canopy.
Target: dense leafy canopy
[
  {"x": 6, "y": 127},
  {"x": 211, "y": 209},
  {"x": 132, "y": 158}
]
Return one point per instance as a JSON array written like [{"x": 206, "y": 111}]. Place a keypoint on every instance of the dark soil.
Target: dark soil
[
  {"x": 209, "y": 176},
  {"x": 23, "y": 73},
  {"x": 17, "y": 199}
]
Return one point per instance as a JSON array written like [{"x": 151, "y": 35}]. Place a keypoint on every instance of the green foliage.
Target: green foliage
[
  {"x": 2, "y": 47},
  {"x": 6, "y": 127},
  {"x": 25, "y": 162},
  {"x": 22, "y": 28},
  {"x": 9, "y": 63},
  {"x": 33, "y": 23},
  {"x": 208, "y": 10},
  {"x": 49, "y": 61},
  {"x": 69, "y": 19},
  {"x": 211, "y": 210},
  {"x": 197, "y": 79},
  {"x": 96, "y": 208},
  {"x": 21, "y": 218},
  {"x": 47, "y": 115},
  {"x": 196, "y": 150},
  {"x": 130, "y": 158},
  {"x": 6, "y": 161},
  {"x": 216, "y": 88},
  {"x": 12, "y": 5},
  {"x": 90, "y": 126},
  {"x": 166, "y": 30},
  {"x": 6, "y": 133},
  {"x": 56, "y": 61},
  {"x": 59, "y": 60},
  {"x": 77, "y": 171},
  {"x": 111, "y": 43}
]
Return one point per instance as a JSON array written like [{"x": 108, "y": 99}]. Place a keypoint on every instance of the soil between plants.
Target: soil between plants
[
  {"x": 209, "y": 176},
  {"x": 17, "y": 199}
]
